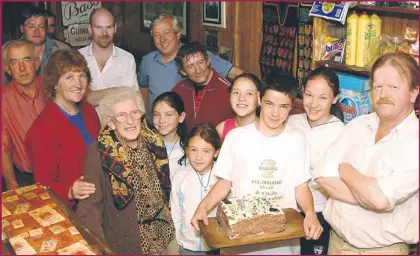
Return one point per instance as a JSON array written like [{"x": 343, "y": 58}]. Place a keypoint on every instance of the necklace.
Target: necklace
[
  {"x": 201, "y": 183},
  {"x": 173, "y": 147}
]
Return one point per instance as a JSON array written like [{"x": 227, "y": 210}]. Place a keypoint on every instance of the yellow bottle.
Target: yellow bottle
[
  {"x": 351, "y": 38},
  {"x": 363, "y": 35},
  {"x": 376, "y": 27},
  {"x": 377, "y": 23}
]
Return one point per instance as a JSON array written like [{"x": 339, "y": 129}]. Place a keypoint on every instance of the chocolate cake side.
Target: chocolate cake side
[{"x": 249, "y": 217}]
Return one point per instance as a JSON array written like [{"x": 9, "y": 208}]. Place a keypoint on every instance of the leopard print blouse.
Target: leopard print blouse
[{"x": 155, "y": 226}]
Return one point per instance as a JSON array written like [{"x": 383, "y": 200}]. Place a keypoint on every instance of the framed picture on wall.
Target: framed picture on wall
[
  {"x": 214, "y": 14},
  {"x": 151, "y": 10}
]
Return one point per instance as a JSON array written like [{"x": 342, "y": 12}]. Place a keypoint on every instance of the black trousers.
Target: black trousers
[
  {"x": 23, "y": 179},
  {"x": 320, "y": 246}
]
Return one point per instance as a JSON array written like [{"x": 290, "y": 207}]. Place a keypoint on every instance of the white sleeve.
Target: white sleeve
[
  {"x": 176, "y": 209},
  {"x": 131, "y": 78},
  {"x": 328, "y": 165},
  {"x": 224, "y": 164},
  {"x": 403, "y": 182},
  {"x": 300, "y": 162}
]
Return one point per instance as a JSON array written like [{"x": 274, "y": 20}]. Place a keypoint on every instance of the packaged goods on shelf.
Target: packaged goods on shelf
[
  {"x": 333, "y": 49},
  {"x": 351, "y": 38},
  {"x": 330, "y": 10},
  {"x": 354, "y": 98}
]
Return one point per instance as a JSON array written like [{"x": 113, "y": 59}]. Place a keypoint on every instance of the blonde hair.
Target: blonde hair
[
  {"x": 404, "y": 63},
  {"x": 164, "y": 16},
  {"x": 118, "y": 95}
]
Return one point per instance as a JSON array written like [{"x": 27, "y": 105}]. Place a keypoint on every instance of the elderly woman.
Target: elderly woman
[
  {"x": 56, "y": 143},
  {"x": 129, "y": 208}
]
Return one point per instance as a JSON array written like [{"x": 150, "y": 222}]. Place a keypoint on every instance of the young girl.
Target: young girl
[
  {"x": 321, "y": 124},
  {"x": 191, "y": 184},
  {"x": 168, "y": 119},
  {"x": 244, "y": 99}
]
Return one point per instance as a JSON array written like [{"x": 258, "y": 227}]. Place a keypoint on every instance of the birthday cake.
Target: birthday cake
[{"x": 247, "y": 217}]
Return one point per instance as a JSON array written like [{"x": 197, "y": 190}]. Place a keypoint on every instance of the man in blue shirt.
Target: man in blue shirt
[{"x": 158, "y": 72}]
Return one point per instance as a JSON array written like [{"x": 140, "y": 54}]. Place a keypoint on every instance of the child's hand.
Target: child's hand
[{"x": 199, "y": 215}]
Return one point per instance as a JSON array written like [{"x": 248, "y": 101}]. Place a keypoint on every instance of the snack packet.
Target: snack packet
[
  {"x": 330, "y": 10},
  {"x": 333, "y": 49}
]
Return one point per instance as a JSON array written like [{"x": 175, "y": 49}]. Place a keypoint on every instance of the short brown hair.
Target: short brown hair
[
  {"x": 61, "y": 62},
  {"x": 189, "y": 50},
  {"x": 404, "y": 63}
]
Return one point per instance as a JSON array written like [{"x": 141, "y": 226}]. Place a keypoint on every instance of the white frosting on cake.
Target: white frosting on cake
[{"x": 249, "y": 207}]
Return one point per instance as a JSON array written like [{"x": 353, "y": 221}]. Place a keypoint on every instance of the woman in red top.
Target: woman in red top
[{"x": 57, "y": 141}]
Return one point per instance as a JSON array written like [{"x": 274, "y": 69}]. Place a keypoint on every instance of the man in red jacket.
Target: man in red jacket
[{"x": 205, "y": 93}]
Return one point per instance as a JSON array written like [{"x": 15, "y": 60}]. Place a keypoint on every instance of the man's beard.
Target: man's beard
[{"x": 104, "y": 43}]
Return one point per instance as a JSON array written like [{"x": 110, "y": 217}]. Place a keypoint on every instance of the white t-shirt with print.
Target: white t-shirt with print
[
  {"x": 319, "y": 139},
  {"x": 265, "y": 166}
]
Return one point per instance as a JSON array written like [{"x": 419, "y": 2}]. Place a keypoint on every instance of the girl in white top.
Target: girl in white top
[
  {"x": 168, "y": 119},
  {"x": 321, "y": 124},
  {"x": 191, "y": 184}
]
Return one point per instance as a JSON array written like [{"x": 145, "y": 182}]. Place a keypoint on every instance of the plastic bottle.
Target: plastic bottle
[
  {"x": 376, "y": 27},
  {"x": 363, "y": 35},
  {"x": 377, "y": 23},
  {"x": 351, "y": 38}
]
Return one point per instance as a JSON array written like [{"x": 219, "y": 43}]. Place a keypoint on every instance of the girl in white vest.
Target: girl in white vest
[{"x": 321, "y": 124}]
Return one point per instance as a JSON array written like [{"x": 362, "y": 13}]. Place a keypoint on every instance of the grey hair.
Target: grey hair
[
  {"x": 16, "y": 44},
  {"x": 117, "y": 95},
  {"x": 163, "y": 16}
]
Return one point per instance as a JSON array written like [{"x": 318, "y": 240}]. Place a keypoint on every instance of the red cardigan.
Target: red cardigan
[{"x": 56, "y": 148}]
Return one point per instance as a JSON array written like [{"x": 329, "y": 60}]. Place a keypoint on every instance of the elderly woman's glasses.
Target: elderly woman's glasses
[{"x": 122, "y": 116}]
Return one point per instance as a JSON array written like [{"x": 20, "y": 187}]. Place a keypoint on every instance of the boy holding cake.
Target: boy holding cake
[{"x": 266, "y": 159}]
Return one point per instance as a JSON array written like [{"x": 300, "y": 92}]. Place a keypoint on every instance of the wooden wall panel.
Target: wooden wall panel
[{"x": 244, "y": 38}]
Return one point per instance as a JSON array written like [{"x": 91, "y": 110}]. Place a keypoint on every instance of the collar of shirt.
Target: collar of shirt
[
  {"x": 23, "y": 94},
  {"x": 211, "y": 85},
  {"x": 158, "y": 56},
  {"x": 373, "y": 122},
  {"x": 90, "y": 53},
  {"x": 306, "y": 125},
  {"x": 49, "y": 45}
]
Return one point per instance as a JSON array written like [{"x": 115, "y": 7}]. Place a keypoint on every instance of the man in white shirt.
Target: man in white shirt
[
  {"x": 110, "y": 66},
  {"x": 371, "y": 173},
  {"x": 266, "y": 159}
]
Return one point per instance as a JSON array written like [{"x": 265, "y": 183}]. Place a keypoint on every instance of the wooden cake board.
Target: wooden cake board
[{"x": 215, "y": 237}]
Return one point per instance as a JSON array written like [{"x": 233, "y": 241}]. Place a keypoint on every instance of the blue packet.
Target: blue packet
[{"x": 330, "y": 10}]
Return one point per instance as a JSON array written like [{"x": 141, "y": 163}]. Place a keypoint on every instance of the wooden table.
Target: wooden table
[
  {"x": 215, "y": 237},
  {"x": 96, "y": 243}
]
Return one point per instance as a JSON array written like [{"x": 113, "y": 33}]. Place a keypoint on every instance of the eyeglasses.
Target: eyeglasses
[
  {"x": 33, "y": 26},
  {"x": 122, "y": 116}
]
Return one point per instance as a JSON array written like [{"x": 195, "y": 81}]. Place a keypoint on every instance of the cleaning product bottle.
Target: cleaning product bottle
[
  {"x": 376, "y": 28},
  {"x": 377, "y": 22},
  {"x": 363, "y": 35},
  {"x": 351, "y": 38}
]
